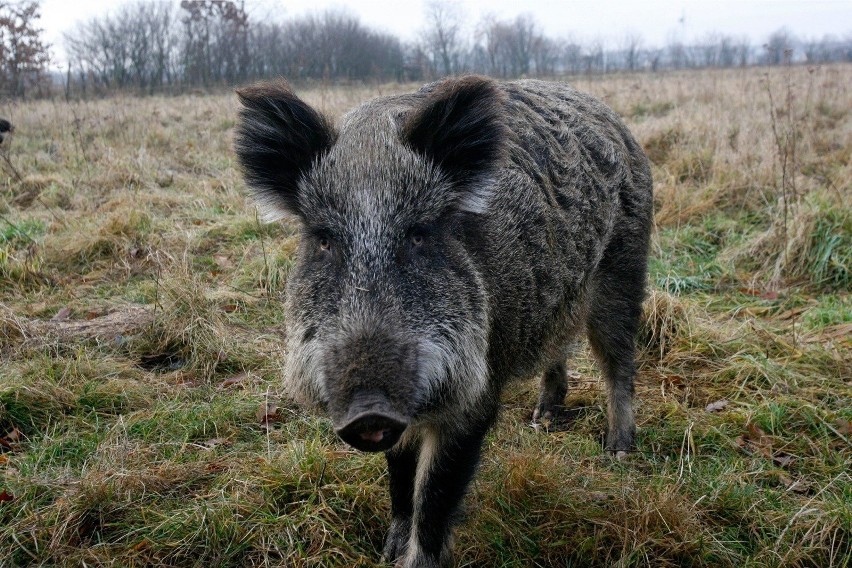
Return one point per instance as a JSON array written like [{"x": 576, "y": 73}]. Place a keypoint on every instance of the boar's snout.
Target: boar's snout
[
  {"x": 371, "y": 424},
  {"x": 373, "y": 387}
]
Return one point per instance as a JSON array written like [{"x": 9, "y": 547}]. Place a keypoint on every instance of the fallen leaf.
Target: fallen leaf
[
  {"x": 223, "y": 261},
  {"x": 756, "y": 311},
  {"x": 598, "y": 496},
  {"x": 62, "y": 314},
  {"x": 36, "y": 308},
  {"x": 228, "y": 308},
  {"x": 841, "y": 332},
  {"x": 236, "y": 379},
  {"x": 782, "y": 459},
  {"x": 716, "y": 406},
  {"x": 762, "y": 294},
  {"x": 6, "y": 496},
  {"x": 792, "y": 312},
  {"x": 4, "y": 458},
  {"x": 756, "y": 433},
  {"x": 96, "y": 275},
  {"x": 843, "y": 426},
  {"x": 755, "y": 440},
  {"x": 266, "y": 414},
  {"x": 796, "y": 486},
  {"x": 674, "y": 380},
  {"x": 9, "y": 439},
  {"x": 14, "y": 436}
]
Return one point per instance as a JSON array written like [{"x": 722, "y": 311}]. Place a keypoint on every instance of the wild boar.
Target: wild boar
[{"x": 452, "y": 240}]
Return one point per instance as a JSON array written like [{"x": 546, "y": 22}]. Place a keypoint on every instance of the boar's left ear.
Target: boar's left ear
[
  {"x": 460, "y": 127},
  {"x": 278, "y": 139}
]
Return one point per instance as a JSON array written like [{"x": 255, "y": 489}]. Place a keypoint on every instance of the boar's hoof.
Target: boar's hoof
[
  {"x": 543, "y": 414},
  {"x": 396, "y": 542}
]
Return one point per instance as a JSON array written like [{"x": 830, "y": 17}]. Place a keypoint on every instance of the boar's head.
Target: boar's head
[{"x": 387, "y": 311}]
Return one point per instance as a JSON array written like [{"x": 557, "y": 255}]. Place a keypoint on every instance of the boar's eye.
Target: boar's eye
[
  {"x": 415, "y": 243},
  {"x": 324, "y": 243},
  {"x": 418, "y": 236}
]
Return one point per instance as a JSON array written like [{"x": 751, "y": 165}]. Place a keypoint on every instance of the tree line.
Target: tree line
[{"x": 156, "y": 46}]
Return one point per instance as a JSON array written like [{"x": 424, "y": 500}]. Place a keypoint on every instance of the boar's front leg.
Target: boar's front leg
[
  {"x": 402, "y": 469},
  {"x": 446, "y": 463}
]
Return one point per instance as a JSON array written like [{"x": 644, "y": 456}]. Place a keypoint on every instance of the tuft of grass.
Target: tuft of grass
[
  {"x": 660, "y": 145},
  {"x": 16, "y": 235},
  {"x": 815, "y": 249}
]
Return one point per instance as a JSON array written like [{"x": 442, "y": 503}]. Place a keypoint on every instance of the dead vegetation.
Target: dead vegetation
[{"x": 140, "y": 342}]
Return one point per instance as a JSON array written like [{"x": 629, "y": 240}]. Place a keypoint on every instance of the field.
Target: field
[{"x": 141, "y": 418}]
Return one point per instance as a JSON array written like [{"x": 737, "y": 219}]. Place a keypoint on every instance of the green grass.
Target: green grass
[{"x": 145, "y": 448}]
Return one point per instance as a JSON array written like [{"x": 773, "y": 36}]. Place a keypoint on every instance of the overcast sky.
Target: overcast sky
[{"x": 656, "y": 20}]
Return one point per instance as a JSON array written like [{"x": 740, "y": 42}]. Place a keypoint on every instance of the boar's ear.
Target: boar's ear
[
  {"x": 278, "y": 139},
  {"x": 460, "y": 127}
]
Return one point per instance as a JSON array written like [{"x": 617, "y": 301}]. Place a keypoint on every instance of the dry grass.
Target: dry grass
[{"x": 140, "y": 330}]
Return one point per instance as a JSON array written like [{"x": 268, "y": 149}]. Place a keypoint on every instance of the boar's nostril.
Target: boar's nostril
[{"x": 373, "y": 431}]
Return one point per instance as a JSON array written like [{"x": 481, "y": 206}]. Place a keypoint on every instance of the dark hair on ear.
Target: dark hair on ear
[
  {"x": 460, "y": 127},
  {"x": 278, "y": 139}
]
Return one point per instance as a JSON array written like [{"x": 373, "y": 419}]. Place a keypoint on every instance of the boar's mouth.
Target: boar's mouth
[{"x": 371, "y": 424}]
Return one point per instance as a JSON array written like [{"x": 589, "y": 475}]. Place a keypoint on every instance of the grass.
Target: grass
[{"x": 167, "y": 442}]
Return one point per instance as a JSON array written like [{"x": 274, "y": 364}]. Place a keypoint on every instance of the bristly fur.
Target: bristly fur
[{"x": 277, "y": 140}]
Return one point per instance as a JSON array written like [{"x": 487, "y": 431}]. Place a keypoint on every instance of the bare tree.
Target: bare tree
[
  {"x": 828, "y": 49},
  {"x": 779, "y": 46},
  {"x": 442, "y": 35},
  {"x": 572, "y": 56},
  {"x": 215, "y": 41},
  {"x": 595, "y": 57},
  {"x": 521, "y": 42},
  {"x": 517, "y": 47},
  {"x": 677, "y": 53},
  {"x": 134, "y": 48},
  {"x": 631, "y": 46},
  {"x": 24, "y": 56},
  {"x": 546, "y": 54},
  {"x": 329, "y": 45}
]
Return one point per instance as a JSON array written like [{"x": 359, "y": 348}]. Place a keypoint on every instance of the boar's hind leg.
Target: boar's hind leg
[
  {"x": 554, "y": 387},
  {"x": 614, "y": 316},
  {"x": 446, "y": 465},
  {"x": 402, "y": 467}
]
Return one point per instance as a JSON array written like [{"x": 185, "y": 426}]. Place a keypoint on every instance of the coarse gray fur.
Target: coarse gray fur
[{"x": 454, "y": 239}]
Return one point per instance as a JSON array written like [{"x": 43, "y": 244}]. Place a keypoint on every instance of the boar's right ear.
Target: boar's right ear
[
  {"x": 460, "y": 127},
  {"x": 278, "y": 139}
]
